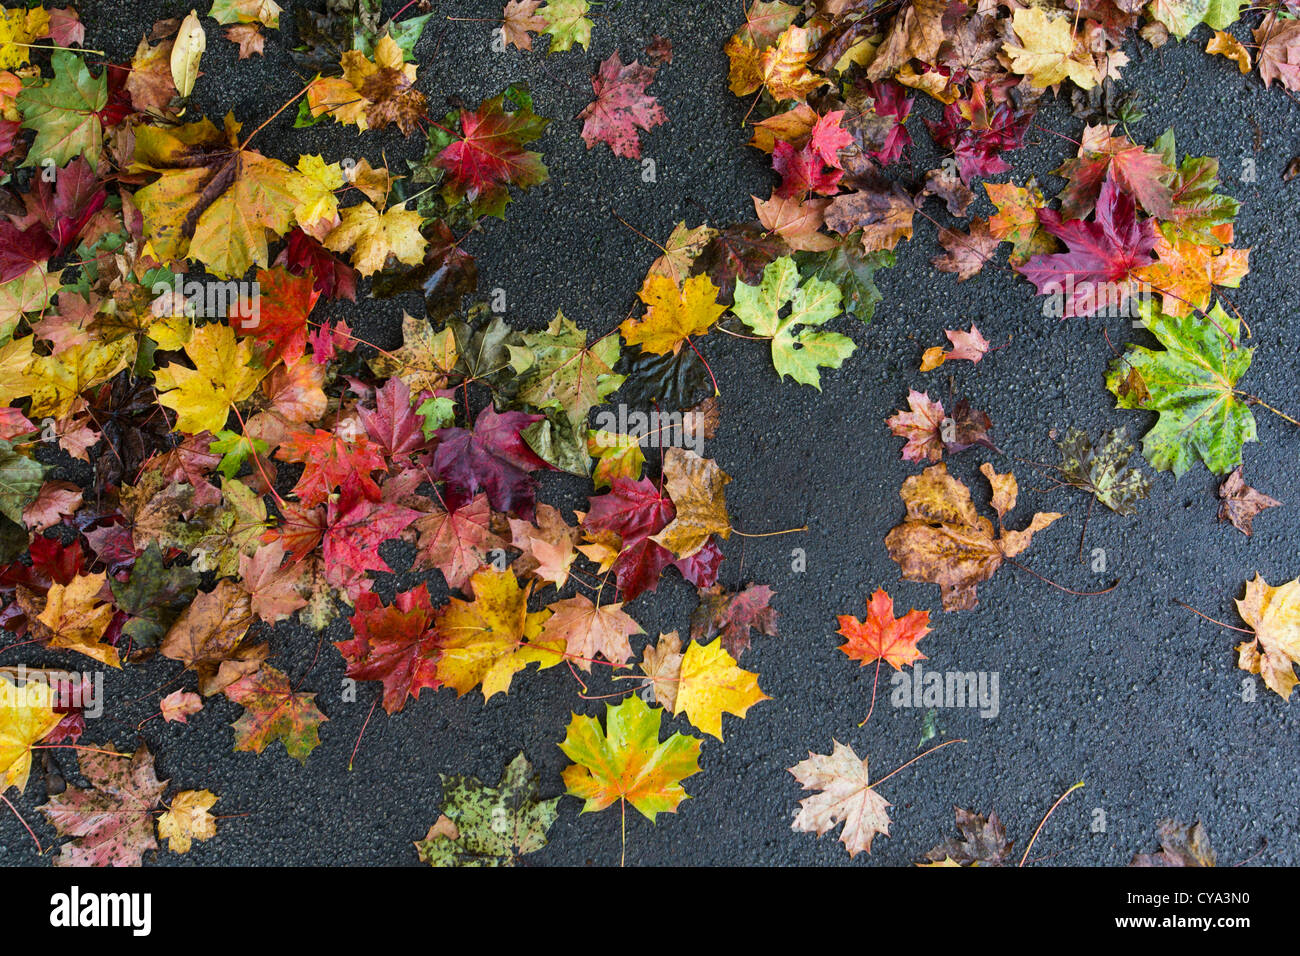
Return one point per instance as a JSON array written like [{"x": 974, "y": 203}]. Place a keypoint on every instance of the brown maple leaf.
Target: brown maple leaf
[
  {"x": 981, "y": 841},
  {"x": 966, "y": 253},
  {"x": 1241, "y": 502},
  {"x": 1181, "y": 845},
  {"x": 945, "y": 541}
]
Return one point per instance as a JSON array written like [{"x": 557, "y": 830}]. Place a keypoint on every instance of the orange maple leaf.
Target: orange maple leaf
[{"x": 882, "y": 636}]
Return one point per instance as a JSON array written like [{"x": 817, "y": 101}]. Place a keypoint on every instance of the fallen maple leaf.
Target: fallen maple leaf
[
  {"x": 696, "y": 487},
  {"x": 77, "y": 621},
  {"x": 374, "y": 236},
  {"x": 488, "y": 640},
  {"x": 588, "y": 630},
  {"x": 178, "y": 705},
  {"x": 1048, "y": 51},
  {"x": 982, "y": 841},
  {"x": 882, "y": 636},
  {"x": 732, "y": 616},
  {"x": 943, "y": 539},
  {"x": 1241, "y": 502},
  {"x": 489, "y": 156},
  {"x": 489, "y": 826},
  {"x": 621, "y": 107},
  {"x": 673, "y": 315},
  {"x": 112, "y": 821},
  {"x": 1181, "y": 844},
  {"x": 27, "y": 717},
  {"x": 394, "y": 644},
  {"x": 1273, "y": 614},
  {"x": 188, "y": 819},
  {"x": 711, "y": 684},
  {"x": 846, "y": 796},
  {"x": 966, "y": 346},
  {"x": 625, "y": 761},
  {"x": 274, "y": 711}
]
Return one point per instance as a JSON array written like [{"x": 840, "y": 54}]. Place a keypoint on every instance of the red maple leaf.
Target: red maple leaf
[
  {"x": 356, "y": 527},
  {"x": 333, "y": 277},
  {"x": 300, "y": 530},
  {"x": 65, "y": 204},
  {"x": 328, "y": 460},
  {"x": 634, "y": 510},
  {"x": 393, "y": 424},
  {"x": 882, "y": 636},
  {"x": 1136, "y": 170},
  {"x": 20, "y": 249},
  {"x": 490, "y": 155},
  {"x": 980, "y": 127},
  {"x": 815, "y": 165},
  {"x": 283, "y": 303},
  {"x": 492, "y": 458},
  {"x": 457, "y": 542},
  {"x": 1096, "y": 273},
  {"x": 621, "y": 107},
  {"x": 394, "y": 644}
]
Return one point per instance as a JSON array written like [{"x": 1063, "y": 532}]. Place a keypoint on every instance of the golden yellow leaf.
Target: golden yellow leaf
[
  {"x": 673, "y": 314},
  {"x": 1225, "y": 44},
  {"x": 487, "y": 640},
  {"x": 374, "y": 236},
  {"x": 187, "y": 50},
  {"x": 1047, "y": 52},
  {"x": 224, "y": 373},
  {"x": 710, "y": 684},
  {"x": 26, "y": 715},
  {"x": 188, "y": 819},
  {"x": 697, "y": 488},
  {"x": 77, "y": 620},
  {"x": 1273, "y": 613}
]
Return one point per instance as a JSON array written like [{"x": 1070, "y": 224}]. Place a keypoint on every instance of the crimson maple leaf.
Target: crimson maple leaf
[
  {"x": 490, "y": 156},
  {"x": 283, "y": 303},
  {"x": 64, "y": 203},
  {"x": 328, "y": 460},
  {"x": 20, "y": 249},
  {"x": 1136, "y": 170},
  {"x": 816, "y": 165},
  {"x": 394, "y": 644},
  {"x": 882, "y": 636},
  {"x": 979, "y": 128},
  {"x": 1097, "y": 271},
  {"x": 333, "y": 278},
  {"x": 621, "y": 107},
  {"x": 493, "y": 458},
  {"x": 393, "y": 424},
  {"x": 355, "y": 528},
  {"x": 891, "y": 99},
  {"x": 634, "y": 510}
]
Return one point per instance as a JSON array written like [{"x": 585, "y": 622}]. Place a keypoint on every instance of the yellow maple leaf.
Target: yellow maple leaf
[
  {"x": 19, "y": 29},
  {"x": 374, "y": 236},
  {"x": 317, "y": 210},
  {"x": 26, "y": 715},
  {"x": 710, "y": 684},
  {"x": 781, "y": 68},
  {"x": 371, "y": 93},
  {"x": 1047, "y": 52},
  {"x": 15, "y": 359},
  {"x": 56, "y": 380},
  {"x": 487, "y": 640},
  {"x": 1273, "y": 613},
  {"x": 188, "y": 819},
  {"x": 214, "y": 200},
  {"x": 673, "y": 314},
  {"x": 77, "y": 619},
  {"x": 224, "y": 374},
  {"x": 696, "y": 486}
]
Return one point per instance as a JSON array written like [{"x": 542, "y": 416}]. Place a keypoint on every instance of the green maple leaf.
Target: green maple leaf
[
  {"x": 797, "y": 350},
  {"x": 154, "y": 596},
  {"x": 489, "y": 826},
  {"x": 1191, "y": 384},
  {"x": 273, "y": 711},
  {"x": 1103, "y": 471},
  {"x": 852, "y": 271},
  {"x": 1197, "y": 207},
  {"x": 567, "y": 24},
  {"x": 20, "y": 481},
  {"x": 557, "y": 369},
  {"x": 65, "y": 113}
]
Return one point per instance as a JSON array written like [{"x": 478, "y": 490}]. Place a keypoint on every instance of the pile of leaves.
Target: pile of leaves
[{"x": 184, "y": 464}]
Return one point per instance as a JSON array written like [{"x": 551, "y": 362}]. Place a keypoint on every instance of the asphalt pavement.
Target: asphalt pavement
[{"x": 1129, "y": 692}]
